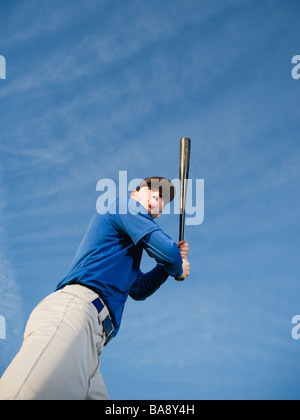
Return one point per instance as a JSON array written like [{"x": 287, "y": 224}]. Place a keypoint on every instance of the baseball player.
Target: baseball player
[{"x": 66, "y": 333}]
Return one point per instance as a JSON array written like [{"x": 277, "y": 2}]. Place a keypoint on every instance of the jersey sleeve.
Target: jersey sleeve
[
  {"x": 133, "y": 220},
  {"x": 165, "y": 251},
  {"x": 148, "y": 283}
]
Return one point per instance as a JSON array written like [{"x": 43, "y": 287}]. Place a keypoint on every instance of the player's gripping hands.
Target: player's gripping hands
[{"x": 184, "y": 250}]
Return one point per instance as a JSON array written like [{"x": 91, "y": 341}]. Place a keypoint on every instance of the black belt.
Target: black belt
[{"x": 107, "y": 324}]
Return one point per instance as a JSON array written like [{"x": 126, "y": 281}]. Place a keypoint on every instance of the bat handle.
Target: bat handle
[
  {"x": 181, "y": 226},
  {"x": 181, "y": 233}
]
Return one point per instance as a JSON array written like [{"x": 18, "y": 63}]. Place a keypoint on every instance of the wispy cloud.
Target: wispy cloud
[
  {"x": 10, "y": 298},
  {"x": 112, "y": 86},
  {"x": 25, "y": 28}
]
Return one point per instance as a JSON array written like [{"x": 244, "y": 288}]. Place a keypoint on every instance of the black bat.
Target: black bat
[{"x": 184, "y": 166}]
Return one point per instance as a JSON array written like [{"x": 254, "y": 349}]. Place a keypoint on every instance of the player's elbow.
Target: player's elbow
[{"x": 135, "y": 295}]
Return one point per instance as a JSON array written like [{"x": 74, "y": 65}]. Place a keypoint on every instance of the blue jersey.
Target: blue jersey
[{"x": 108, "y": 259}]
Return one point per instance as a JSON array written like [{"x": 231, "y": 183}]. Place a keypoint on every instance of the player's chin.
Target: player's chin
[{"x": 155, "y": 215}]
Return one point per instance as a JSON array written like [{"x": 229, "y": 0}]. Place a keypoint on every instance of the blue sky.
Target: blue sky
[{"x": 96, "y": 87}]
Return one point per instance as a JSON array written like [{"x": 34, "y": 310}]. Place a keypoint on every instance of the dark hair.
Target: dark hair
[{"x": 163, "y": 185}]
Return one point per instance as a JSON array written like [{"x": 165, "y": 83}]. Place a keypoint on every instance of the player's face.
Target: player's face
[{"x": 151, "y": 200}]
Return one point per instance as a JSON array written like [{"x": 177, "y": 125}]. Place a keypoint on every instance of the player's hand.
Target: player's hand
[
  {"x": 186, "y": 270},
  {"x": 184, "y": 248}
]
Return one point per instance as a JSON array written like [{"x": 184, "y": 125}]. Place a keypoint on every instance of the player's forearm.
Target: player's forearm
[
  {"x": 166, "y": 253},
  {"x": 148, "y": 283}
]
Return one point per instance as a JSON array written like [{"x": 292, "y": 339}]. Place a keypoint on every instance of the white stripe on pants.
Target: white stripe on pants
[{"x": 59, "y": 359}]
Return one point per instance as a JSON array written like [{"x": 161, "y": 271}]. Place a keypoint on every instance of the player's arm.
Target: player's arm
[
  {"x": 164, "y": 250},
  {"x": 184, "y": 250},
  {"x": 148, "y": 283},
  {"x": 161, "y": 247}
]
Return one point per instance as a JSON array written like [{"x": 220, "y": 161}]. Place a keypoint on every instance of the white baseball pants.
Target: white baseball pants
[{"x": 59, "y": 359}]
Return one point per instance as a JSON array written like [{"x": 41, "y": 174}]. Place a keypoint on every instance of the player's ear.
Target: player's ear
[{"x": 133, "y": 194}]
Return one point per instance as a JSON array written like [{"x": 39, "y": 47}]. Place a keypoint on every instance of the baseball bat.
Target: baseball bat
[{"x": 184, "y": 166}]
